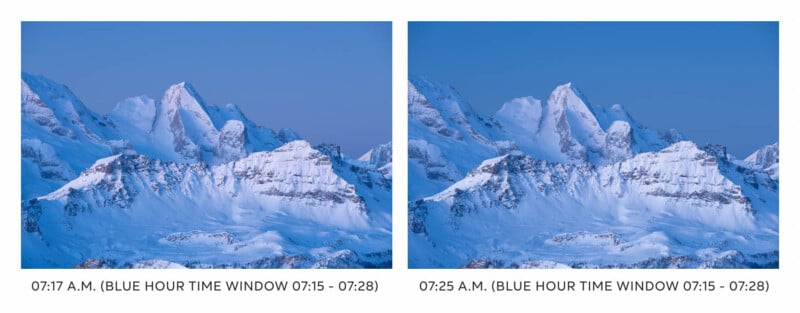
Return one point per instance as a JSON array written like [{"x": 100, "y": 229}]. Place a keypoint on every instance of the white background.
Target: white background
[{"x": 398, "y": 286}]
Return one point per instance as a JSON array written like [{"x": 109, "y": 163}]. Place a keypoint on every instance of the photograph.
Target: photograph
[
  {"x": 206, "y": 145},
  {"x": 593, "y": 145}
]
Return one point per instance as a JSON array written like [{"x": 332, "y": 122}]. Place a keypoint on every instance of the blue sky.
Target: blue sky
[
  {"x": 330, "y": 82},
  {"x": 714, "y": 82}
]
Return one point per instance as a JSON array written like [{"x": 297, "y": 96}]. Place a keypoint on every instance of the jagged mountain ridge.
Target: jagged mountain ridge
[
  {"x": 765, "y": 158},
  {"x": 579, "y": 185},
  {"x": 190, "y": 184},
  {"x": 55, "y": 122},
  {"x": 565, "y": 128},
  {"x": 380, "y": 157},
  {"x": 180, "y": 127}
]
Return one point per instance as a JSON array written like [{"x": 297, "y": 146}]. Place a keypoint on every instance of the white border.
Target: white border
[{"x": 399, "y": 286}]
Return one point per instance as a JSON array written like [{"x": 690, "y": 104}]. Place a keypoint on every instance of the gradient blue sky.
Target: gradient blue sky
[
  {"x": 714, "y": 82},
  {"x": 330, "y": 82}
]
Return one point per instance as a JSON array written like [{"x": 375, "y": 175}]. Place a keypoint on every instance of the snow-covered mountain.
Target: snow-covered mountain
[
  {"x": 583, "y": 186},
  {"x": 179, "y": 183},
  {"x": 765, "y": 158},
  {"x": 568, "y": 129},
  {"x": 56, "y": 123},
  {"x": 181, "y": 127}
]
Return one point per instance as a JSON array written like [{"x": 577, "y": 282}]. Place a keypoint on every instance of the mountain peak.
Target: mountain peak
[
  {"x": 297, "y": 147},
  {"x": 570, "y": 90},
  {"x": 525, "y": 113},
  {"x": 184, "y": 84},
  {"x": 46, "y": 88},
  {"x": 765, "y": 158},
  {"x": 441, "y": 109},
  {"x": 183, "y": 116},
  {"x": 568, "y": 87},
  {"x": 298, "y": 144},
  {"x": 287, "y": 135},
  {"x": 174, "y": 90}
]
